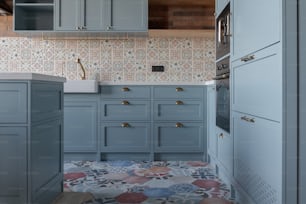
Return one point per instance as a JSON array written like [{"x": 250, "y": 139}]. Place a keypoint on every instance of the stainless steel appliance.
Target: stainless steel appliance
[
  {"x": 223, "y": 70},
  {"x": 223, "y": 33},
  {"x": 223, "y": 94}
]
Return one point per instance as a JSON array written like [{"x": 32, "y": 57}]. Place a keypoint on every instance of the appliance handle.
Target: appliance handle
[{"x": 223, "y": 76}]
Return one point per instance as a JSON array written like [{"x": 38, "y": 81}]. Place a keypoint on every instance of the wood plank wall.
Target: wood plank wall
[{"x": 6, "y": 26}]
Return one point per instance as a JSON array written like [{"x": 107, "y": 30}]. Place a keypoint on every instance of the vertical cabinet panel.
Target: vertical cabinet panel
[
  {"x": 258, "y": 158},
  {"x": 81, "y": 123},
  {"x": 255, "y": 26},
  {"x": 13, "y": 104},
  {"x": 95, "y": 15},
  {"x": 13, "y": 168},
  {"x": 225, "y": 149},
  {"x": 67, "y": 14},
  {"x": 211, "y": 120}
]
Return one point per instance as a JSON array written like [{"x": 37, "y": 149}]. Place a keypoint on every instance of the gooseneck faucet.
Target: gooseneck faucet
[{"x": 83, "y": 76}]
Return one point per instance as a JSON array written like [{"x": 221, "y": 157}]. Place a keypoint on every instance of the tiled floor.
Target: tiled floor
[{"x": 146, "y": 182}]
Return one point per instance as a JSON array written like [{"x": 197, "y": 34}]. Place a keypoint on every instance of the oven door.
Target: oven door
[{"x": 223, "y": 102}]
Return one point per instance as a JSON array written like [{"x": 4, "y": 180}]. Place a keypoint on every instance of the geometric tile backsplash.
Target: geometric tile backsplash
[{"x": 112, "y": 60}]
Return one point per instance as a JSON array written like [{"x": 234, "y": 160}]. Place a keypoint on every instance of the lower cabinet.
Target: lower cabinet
[
  {"x": 81, "y": 126},
  {"x": 13, "y": 168},
  {"x": 258, "y": 157},
  {"x": 211, "y": 121},
  {"x": 225, "y": 149}
]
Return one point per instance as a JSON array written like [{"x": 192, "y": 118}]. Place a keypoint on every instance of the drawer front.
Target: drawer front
[
  {"x": 125, "y": 110},
  {"x": 179, "y": 137},
  {"x": 258, "y": 157},
  {"x": 178, "y": 110},
  {"x": 257, "y": 87},
  {"x": 13, "y": 103},
  {"x": 142, "y": 92},
  {"x": 47, "y": 101},
  {"x": 165, "y": 92},
  {"x": 125, "y": 137}
]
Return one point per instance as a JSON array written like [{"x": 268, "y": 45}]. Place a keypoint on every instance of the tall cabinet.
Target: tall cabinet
[
  {"x": 263, "y": 74},
  {"x": 31, "y": 124}
]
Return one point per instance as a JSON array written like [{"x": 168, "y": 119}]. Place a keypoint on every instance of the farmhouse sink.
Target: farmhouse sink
[{"x": 81, "y": 86}]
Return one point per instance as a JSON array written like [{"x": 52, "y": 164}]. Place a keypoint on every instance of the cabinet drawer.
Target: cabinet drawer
[
  {"x": 13, "y": 103},
  {"x": 257, "y": 86},
  {"x": 178, "y": 137},
  {"x": 178, "y": 110},
  {"x": 192, "y": 92},
  {"x": 258, "y": 157},
  {"x": 142, "y": 92},
  {"x": 125, "y": 137},
  {"x": 125, "y": 110},
  {"x": 47, "y": 101}
]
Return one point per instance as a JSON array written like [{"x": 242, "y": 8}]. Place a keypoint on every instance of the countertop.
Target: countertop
[
  {"x": 30, "y": 76},
  {"x": 211, "y": 82}
]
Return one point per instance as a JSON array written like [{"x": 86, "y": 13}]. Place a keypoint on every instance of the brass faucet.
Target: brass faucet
[{"x": 83, "y": 76}]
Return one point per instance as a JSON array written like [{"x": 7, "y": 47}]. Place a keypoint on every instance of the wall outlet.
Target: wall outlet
[{"x": 158, "y": 68}]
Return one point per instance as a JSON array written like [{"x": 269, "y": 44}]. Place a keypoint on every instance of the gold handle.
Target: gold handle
[
  {"x": 250, "y": 120},
  {"x": 178, "y": 89},
  {"x": 125, "y": 103},
  {"x": 179, "y": 125},
  {"x": 125, "y": 89},
  {"x": 179, "y": 103},
  {"x": 221, "y": 135},
  {"x": 125, "y": 125},
  {"x": 247, "y": 58}
]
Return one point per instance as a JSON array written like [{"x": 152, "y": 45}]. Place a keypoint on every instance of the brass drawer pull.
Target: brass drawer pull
[
  {"x": 179, "y": 89},
  {"x": 247, "y": 58},
  {"x": 125, "y": 125},
  {"x": 250, "y": 120},
  {"x": 179, "y": 125},
  {"x": 221, "y": 135},
  {"x": 125, "y": 89},
  {"x": 179, "y": 102},
  {"x": 125, "y": 103}
]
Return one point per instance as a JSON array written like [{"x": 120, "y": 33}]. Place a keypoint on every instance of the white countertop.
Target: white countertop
[
  {"x": 30, "y": 76},
  {"x": 158, "y": 83}
]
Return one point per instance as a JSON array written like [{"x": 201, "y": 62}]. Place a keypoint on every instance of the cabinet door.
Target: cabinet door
[
  {"x": 220, "y": 5},
  {"x": 225, "y": 149},
  {"x": 258, "y": 166},
  {"x": 257, "y": 85},
  {"x": 13, "y": 168},
  {"x": 80, "y": 119},
  {"x": 211, "y": 120},
  {"x": 94, "y": 15},
  {"x": 129, "y": 15},
  {"x": 67, "y": 15},
  {"x": 255, "y": 26}
]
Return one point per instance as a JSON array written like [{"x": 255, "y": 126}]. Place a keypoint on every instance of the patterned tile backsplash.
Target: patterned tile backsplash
[{"x": 113, "y": 60}]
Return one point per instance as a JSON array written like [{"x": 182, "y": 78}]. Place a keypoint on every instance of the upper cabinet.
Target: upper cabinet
[
  {"x": 76, "y": 15},
  {"x": 101, "y": 15},
  {"x": 255, "y": 26},
  {"x": 33, "y": 15}
]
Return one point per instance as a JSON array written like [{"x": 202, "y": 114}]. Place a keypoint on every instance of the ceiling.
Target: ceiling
[{"x": 6, "y": 7}]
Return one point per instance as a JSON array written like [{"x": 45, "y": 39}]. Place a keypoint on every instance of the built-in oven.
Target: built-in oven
[
  {"x": 223, "y": 33},
  {"x": 223, "y": 94}
]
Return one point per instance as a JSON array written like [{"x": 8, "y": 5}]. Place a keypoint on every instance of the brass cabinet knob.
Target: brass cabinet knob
[
  {"x": 125, "y": 125},
  {"x": 250, "y": 120},
  {"x": 221, "y": 135},
  {"x": 179, "y": 125},
  {"x": 179, "y": 103},
  {"x": 247, "y": 58},
  {"x": 125, "y": 103},
  {"x": 178, "y": 89},
  {"x": 125, "y": 89}
]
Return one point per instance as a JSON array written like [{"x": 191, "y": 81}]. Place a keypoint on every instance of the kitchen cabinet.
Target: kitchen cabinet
[
  {"x": 255, "y": 26},
  {"x": 125, "y": 122},
  {"x": 220, "y": 5},
  {"x": 30, "y": 138},
  {"x": 81, "y": 116},
  {"x": 258, "y": 157},
  {"x": 78, "y": 15},
  {"x": 33, "y": 15},
  {"x": 101, "y": 15},
  {"x": 211, "y": 121},
  {"x": 257, "y": 84},
  {"x": 178, "y": 122}
]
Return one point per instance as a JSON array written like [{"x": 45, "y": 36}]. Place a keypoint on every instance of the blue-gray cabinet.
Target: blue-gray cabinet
[
  {"x": 31, "y": 134},
  {"x": 101, "y": 15},
  {"x": 81, "y": 116},
  {"x": 211, "y": 121}
]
